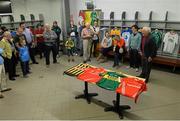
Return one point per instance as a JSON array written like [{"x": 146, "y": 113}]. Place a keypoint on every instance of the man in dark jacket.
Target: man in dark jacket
[
  {"x": 57, "y": 30},
  {"x": 148, "y": 52}
]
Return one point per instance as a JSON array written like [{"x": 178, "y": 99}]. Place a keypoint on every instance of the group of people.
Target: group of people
[
  {"x": 141, "y": 47},
  {"x": 23, "y": 46}
]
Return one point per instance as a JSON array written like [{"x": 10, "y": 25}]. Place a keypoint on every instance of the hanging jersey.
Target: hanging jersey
[
  {"x": 91, "y": 75},
  {"x": 110, "y": 80},
  {"x": 170, "y": 41},
  {"x": 81, "y": 16},
  {"x": 157, "y": 35},
  {"x": 93, "y": 17},
  {"x": 126, "y": 36},
  {"x": 131, "y": 87},
  {"x": 76, "y": 70}
]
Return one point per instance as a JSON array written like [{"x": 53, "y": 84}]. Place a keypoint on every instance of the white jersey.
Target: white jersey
[{"x": 170, "y": 41}]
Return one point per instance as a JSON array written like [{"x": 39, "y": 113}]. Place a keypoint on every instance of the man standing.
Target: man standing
[
  {"x": 57, "y": 30},
  {"x": 86, "y": 36},
  {"x": 148, "y": 52},
  {"x": 95, "y": 39},
  {"x": 30, "y": 42},
  {"x": 82, "y": 25}
]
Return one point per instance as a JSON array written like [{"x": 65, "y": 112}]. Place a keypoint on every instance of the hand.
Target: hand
[
  {"x": 140, "y": 53},
  {"x": 149, "y": 59}
]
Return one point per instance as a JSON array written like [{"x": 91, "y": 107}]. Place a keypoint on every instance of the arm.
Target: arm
[
  {"x": 139, "y": 41},
  {"x": 53, "y": 35}
]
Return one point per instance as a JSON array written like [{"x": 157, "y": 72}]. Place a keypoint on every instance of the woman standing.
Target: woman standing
[
  {"x": 86, "y": 36},
  {"x": 40, "y": 40}
]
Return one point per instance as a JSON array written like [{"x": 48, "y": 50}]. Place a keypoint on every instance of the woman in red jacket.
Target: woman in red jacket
[
  {"x": 40, "y": 40},
  {"x": 118, "y": 49}
]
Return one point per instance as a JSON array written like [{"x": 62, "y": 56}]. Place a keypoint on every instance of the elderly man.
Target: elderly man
[
  {"x": 50, "y": 44},
  {"x": 86, "y": 35},
  {"x": 148, "y": 52},
  {"x": 9, "y": 55}
]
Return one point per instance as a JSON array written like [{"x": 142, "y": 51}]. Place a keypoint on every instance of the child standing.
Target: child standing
[
  {"x": 69, "y": 46},
  {"x": 24, "y": 58}
]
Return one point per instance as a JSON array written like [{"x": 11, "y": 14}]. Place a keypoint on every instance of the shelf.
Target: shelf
[{"x": 20, "y": 22}]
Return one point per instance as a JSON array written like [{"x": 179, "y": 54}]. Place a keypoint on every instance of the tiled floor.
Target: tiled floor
[{"x": 48, "y": 94}]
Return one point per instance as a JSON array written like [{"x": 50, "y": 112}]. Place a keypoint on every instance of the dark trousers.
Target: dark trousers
[
  {"x": 146, "y": 68},
  {"x": 48, "y": 49},
  {"x": 69, "y": 52},
  {"x": 93, "y": 49},
  {"x": 117, "y": 58},
  {"x": 40, "y": 48},
  {"x": 134, "y": 58},
  {"x": 32, "y": 52},
  {"x": 105, "y": 51},
  {"x": 10, "y": 66},
  {"x": 25, "y": 67}
]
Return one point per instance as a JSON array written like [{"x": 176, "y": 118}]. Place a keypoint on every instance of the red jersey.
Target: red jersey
[
  {"x": 39, "y": 31},
  {"x": 131, "y": 87},
  {"x": 119, "y": 43},
  {"x": 91, "y": 75}
]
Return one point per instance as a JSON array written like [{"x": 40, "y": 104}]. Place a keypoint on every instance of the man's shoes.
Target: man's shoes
[
  {"x": 12, "y": 79},
  {"x": 84, "y": 62},
  {"x": 89, "y": 60},
  {"x": 114, "y": 66},
  {"x": 35, "y": 63},
  {"x": 47, "y": 66},
  {"x": 29, "y": 72},
  {"x": 5, "y": 90},
  {"x": 137, "y": 69},
  {"x": 72, "y": 60},
  {"x": 25, "y": 76},
  {"x": 141, "y": 76},
  {"x": 16, "y": 75},
  {"x": 146, "y": 81},
  {"x": 1, "y": 96}
]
